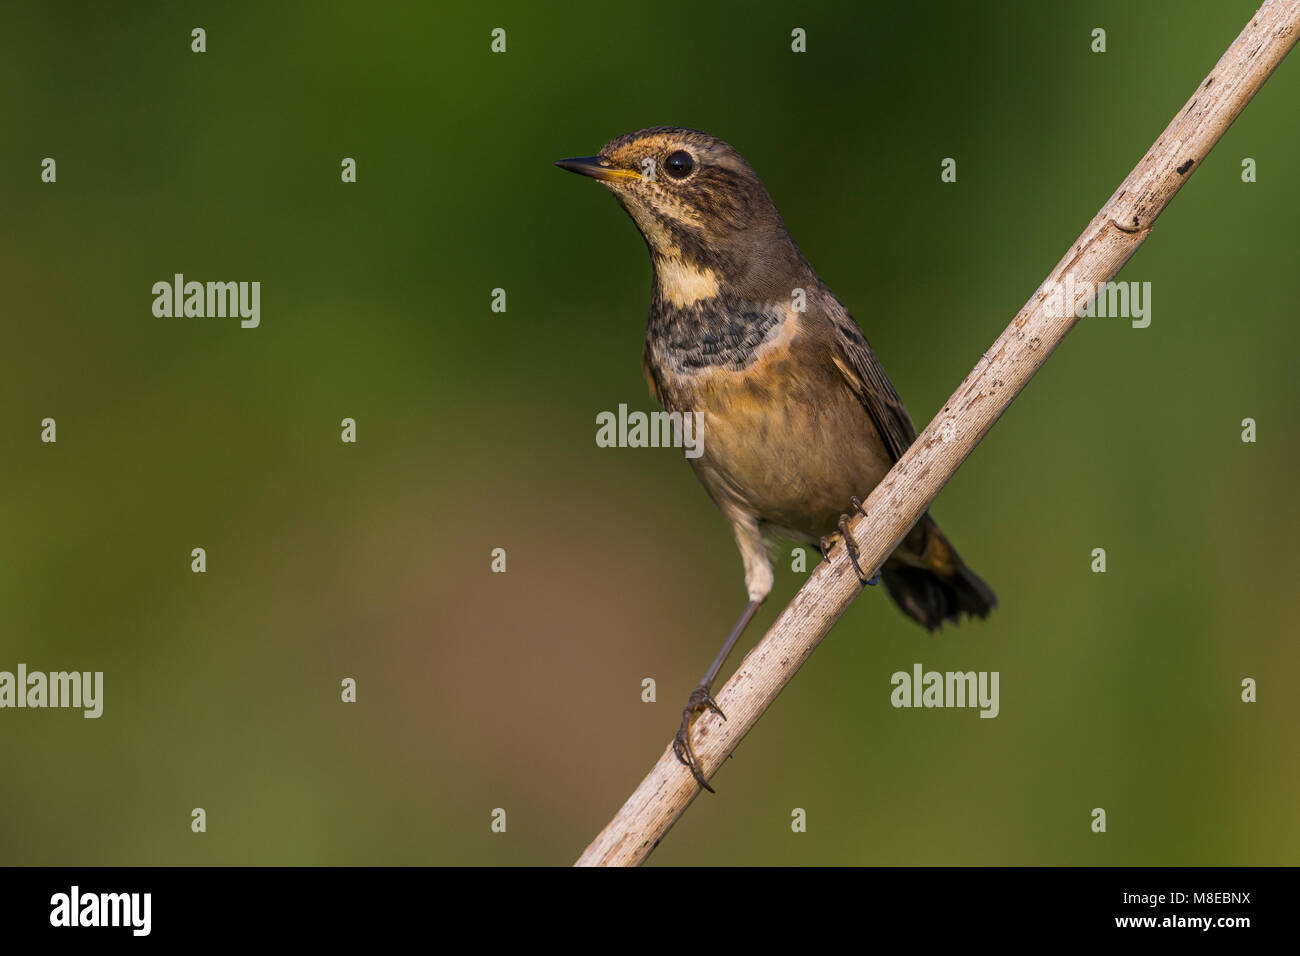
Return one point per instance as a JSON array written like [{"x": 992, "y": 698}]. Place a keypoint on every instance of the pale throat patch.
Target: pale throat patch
[{"x": 683, "y": 283}]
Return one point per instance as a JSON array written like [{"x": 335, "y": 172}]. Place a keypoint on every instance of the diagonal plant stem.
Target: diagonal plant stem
[{"x": 907, "y": 491}]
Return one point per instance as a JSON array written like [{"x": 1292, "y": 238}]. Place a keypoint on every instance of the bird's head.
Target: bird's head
[{"x": 703, "y": 211}]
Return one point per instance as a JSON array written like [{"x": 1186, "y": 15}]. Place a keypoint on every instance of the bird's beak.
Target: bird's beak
[{"x": 597, "y": 167}]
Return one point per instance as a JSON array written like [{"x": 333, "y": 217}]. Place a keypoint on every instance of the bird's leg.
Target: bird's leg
[
  {"x": 701, "y": 700},
  {"x": 850, "y": 545}
]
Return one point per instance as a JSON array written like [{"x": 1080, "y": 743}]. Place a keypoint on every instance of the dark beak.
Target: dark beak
[{"x": 597, "y": 167}]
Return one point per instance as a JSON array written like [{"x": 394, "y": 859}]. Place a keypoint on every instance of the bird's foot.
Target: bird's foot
[
  {"x": 699, "y": 701},
  {"x": 850, "y": 545}
]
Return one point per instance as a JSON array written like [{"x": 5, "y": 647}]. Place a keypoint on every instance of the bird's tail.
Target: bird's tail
[{"x": 929, "y": 581}]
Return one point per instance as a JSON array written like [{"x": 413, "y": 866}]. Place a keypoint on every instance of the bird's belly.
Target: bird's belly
[{"x": 786, "y": 442}]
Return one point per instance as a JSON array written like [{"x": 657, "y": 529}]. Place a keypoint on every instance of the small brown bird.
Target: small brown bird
[{"x": 799, "y": 416}]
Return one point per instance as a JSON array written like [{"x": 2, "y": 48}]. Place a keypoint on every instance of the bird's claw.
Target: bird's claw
[
  {"x": 699, "y": 701},
  {"x": 850, "y": 545}
]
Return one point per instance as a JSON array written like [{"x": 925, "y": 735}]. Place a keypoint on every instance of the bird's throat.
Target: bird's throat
[{"x": 682, "y": 283}]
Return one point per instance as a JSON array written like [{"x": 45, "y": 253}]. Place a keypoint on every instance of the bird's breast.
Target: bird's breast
[{"x": 782, "y": 436}]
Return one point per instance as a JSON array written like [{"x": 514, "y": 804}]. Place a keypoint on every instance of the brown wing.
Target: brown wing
[{"x": 860, "y": 368}]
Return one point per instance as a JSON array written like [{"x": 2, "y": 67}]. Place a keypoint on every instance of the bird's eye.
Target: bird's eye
[{"x": 679, "y": 164}]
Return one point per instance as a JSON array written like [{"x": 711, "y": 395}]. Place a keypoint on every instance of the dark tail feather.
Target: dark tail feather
[{"x": 942, "y": 588}]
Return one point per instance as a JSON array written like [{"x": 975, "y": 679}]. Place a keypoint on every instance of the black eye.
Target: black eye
[{"x": 679, "y": 164}]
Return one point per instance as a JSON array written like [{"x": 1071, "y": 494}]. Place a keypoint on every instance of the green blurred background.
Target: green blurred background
[{"x": 476, "y": 431}]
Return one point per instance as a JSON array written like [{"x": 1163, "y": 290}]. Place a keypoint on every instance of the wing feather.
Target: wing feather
[{"x": 866, "y": 377}]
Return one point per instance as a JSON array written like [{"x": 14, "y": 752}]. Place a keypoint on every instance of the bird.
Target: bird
[{"x": 799, "y": 417}]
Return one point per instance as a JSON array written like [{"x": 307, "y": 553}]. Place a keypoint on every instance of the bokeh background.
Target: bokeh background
[{"x": 476, "y": 431}]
